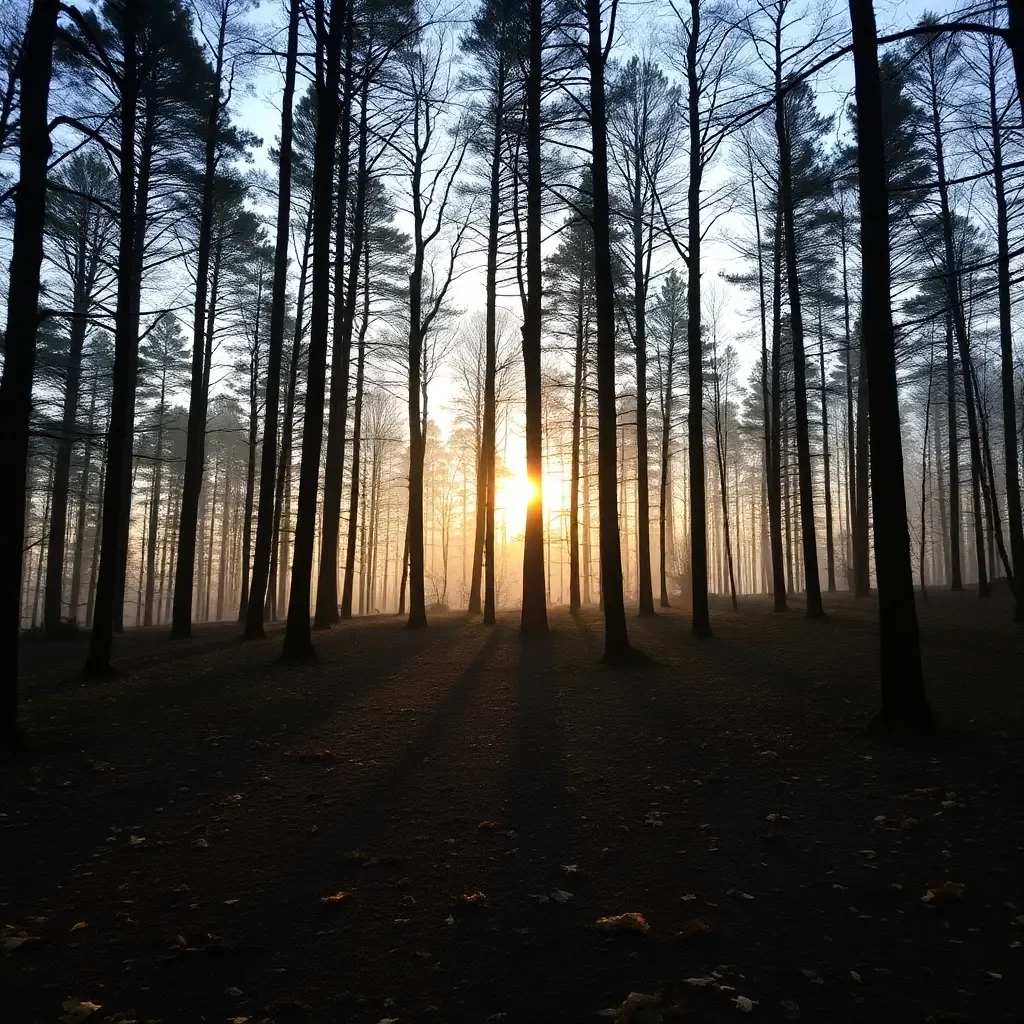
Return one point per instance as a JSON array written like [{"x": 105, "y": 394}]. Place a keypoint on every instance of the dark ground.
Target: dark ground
[{"x": 168, "y": 845}]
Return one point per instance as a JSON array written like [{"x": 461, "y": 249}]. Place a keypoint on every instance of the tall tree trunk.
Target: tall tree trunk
[
  {"x": 534, "y": 618},
  {"x": 863, "y": 502},
  {"x": 905, "y": 705},
  {"x": 83, "y": 505},
  {"x": 298, "y": 642},
  {"x": 357, "y": 437},
  {"x": 796, "y": 324},
  {"x": 1011, "y": 465},
  {"x": 154, "y": 509},
  {"x": 268, "y": 510},
  {"x": 126, "y": 343},
  {"x": 20, "y": 345},
  {"x": 616, "y": 639},
  {"x": 83, "y": 288},
  {"x": 830, "y": 553},
  {"x": 485, "y": 487},
  {"x": 851, "y": 437},
  {"x": 574, "y": 470},
  {"x": 195, "y": 444},
  {"x": 664, "y": 495},
  {"x": 327, "y": 611},
  {"x": 772, "y": 401},
  {"x": 645, "y": 592},
  {"x": 695, "y": 341}
]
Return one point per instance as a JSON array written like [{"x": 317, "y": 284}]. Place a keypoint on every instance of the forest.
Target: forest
[{"x": 357, "y": 339}]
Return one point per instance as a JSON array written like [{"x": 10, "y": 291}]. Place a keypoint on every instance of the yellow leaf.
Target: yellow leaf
[{"x": 630, "y": 922}]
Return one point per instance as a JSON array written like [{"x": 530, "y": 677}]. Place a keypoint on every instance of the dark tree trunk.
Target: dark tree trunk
[
  {"x": 773, "y": 409},
  {"x": 154, "y": 508},
  {"x": 830, "y": 553},
  {"x": 357, "y": 438},
  {"x": 796, "y": 322},
  {"x": 534, "y": 618},
  {"x": 485, "y": 485},
  {"x": 126, "y": 343},
  {"x": 1011, "y": 464},
  {"x": 327, "y": 612},
  {"x": 574, "y": 470},
  {"x": 664, "y": 496},
  {"x": 953, "y": 442},
  {"x": 695, "y": 341},
  {"x": 905, "y": 705},
  {"x": 960, "y": 334},
  {"x": 645, "y": 591},
  {"x": 20, "y": 345},
  {"x": 195, "y": 443},
  {"x": 83, "y": 505},
  {"x": 84, "y": 282},
  {"x": 862, "y": 506},
  {"x": 261, "y": 574},
  {"x": 616, "y": 638},
  {"x": 298, "y": 642},
  {"x": 851, "y": 436}
]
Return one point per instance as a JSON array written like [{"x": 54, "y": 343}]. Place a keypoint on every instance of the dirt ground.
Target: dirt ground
[{"x": 475, "y": 806}]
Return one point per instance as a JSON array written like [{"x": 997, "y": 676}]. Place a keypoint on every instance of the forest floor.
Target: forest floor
[{"x": 168, "y": 845}]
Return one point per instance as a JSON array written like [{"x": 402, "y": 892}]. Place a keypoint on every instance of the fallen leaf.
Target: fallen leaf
[
  {"x": 813, "y": 975},
  {"x": 701, "y": 982},
  {"x": 336, "y": 898},
  {"x": 629, "y": 922},
  {"x": 488, "y": 826},
  {"x": 449, "y": 919},
  {"x": 13, "y": 942},
  {"x": 856, "y": 977},
  {"x": 945, "y": 893},
  {"x": 639, "y": 1008},
  {"x": 232, "y": 991},
  {"x": 790, "y": 1010},
  {"x": 570, "y": 869},
  {"x": 200, "y": 844},
  {"x": 744, "y": 1004},
  {"x": 561, "y": 896},
  {"x": 79, "y": 925},
  {"x": 473, "y": 897},
  {"x": 78, "y": 1009},
  {"x": 693, "y": 927},
  {"x": 995, "y": 974}
]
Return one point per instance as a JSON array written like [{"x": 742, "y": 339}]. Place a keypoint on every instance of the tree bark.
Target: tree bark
[
  {"x": 616, "y": 638},
  {"x": 298, "y": 641},
  {"x": 808, "y": 533},
  {"x": 195, "y": 445},
  {"x": 20, "y": 343},
  {"x": 905, "y": 705},
  {"x": 126, "y": 341},
  {"x": 267, "y": 514}
]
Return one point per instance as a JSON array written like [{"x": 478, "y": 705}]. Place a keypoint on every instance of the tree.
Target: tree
[
  {"x": 20, "y": 336},
  {"x": 329, "y": 33},
  {"x": 275, "y": 347},
  {"x": 905, "y": 705},
  {"x": 79, "y": 233},
  {"x": 222, "y": 30},
  {"x": 643, "y": 126}
]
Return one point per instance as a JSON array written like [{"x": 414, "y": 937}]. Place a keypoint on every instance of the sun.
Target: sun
[{"x": 515, "y": 493}]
